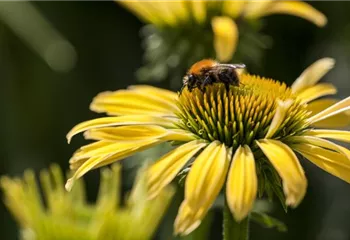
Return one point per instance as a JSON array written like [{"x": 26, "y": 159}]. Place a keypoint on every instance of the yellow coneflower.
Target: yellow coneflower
[
  {"x": 243, "y": 138},
  {"x": 182, "y": 32},
  {"x": 67, "y": 215}
]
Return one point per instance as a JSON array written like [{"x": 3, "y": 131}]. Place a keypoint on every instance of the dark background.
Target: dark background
[{"x": 38, "y": 106}]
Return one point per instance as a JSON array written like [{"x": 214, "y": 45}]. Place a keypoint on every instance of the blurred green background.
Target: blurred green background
[{"x": 39, "y": 104}]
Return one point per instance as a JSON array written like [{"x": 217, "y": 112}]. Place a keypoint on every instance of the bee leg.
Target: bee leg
[
  {"x": 234, "y": 78},
  {"x": 190, "y": 87},
  {"x": 182, "y": 88},
  {"x": 206, "y": 82},
  {"x": 227, "y": 86}
]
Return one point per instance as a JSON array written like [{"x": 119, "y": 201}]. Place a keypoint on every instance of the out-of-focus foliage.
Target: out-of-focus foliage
[
  {"x": 182, "y": 32},
  {"x": 68, "y": 215},
  {"x": 28, "y": 23}
]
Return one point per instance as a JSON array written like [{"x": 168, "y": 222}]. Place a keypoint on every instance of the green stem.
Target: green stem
[{"x": 233, "y": 230}]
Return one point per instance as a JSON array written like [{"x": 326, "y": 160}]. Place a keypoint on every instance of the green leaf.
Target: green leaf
[
  {"x": 280, "y": 195},
  {"x": 268, "y": 221}
]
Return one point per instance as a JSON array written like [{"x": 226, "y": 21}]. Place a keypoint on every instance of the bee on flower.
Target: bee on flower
[
  {"x": 180, "y": 33},
  {"x": 241, "y": 140}
]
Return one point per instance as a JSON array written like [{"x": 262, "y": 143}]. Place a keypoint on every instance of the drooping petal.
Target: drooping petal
[
  {"x": 126, "y": 133},
  {"x": 242, "y": 182},
  {"x": 165, "y": 94},
  {"x": 134, "y": 101},
  {"x": 279, "y": 116},
  {"x": 165, "y": 10},
  {"x": 85, "y": 160},
  {"x": 338, "y": 135},
  {"x": 312, "y": 74},
  {"x": 256, "y": 9},
  {"x": 136, "y": 132},
  {"x": 207, "y": 176},
  {"x": 337, "y": 121},
  {"x": 144, "y": 10},
  {"x": 161, "y": 92},
  {"x": 233, "y": 8},
  {"x": 188, "y": 220},
  {"x": 120, "y": 121},
  {"x": 288, "y": 167},
  {"x": 334, "y": 163},
  {"x": 109, "y": 149},
  {"x": 319, "y": 142},
  {"x": 335, "y": 109},
  {"x": 180, "y": 10},
  {"x": 179, "y": 135},
  {"x": 296, "y": 8},
  {"x": 163, "y": 171},
  {"x": 199, "y": 10},
  {"x": 225, "y": 37},
  {"x": 102, "y": 148},
  {"x": 156, "y": 12},
  {"x": 317, "y": 91}
]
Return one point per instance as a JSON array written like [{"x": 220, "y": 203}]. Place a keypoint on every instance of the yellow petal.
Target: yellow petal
[
  {"x": 279, "y": 116},
  {"x": 317, "y": 91},
  {"x": 225, "y": 37},
  {"x": 338, "y": 135},
  {"x": 105, "y": 155},
  {"x": 164, "y": 9},
  {"x": 101, "y": 148},
  {"x": 312, "y": 74},
  {"x": 337, "y": 121},
  {"x": 163, "y": 171},
  {"x": 122, "y": 155},
  {"x": 296, "y": 8},
  {"x": 206, "y": 177},
  {"x": 179, "y": 135},
  {"x": 288, "y": 167},
  {"x": 319, "y": 142},
  {"x": 126, "y": 133},
  {"x": 131, "y": 133},
  {"x": 330, "y": 161},
  {"x": 156, "y": 12},
  {"x": 119, "y": 121},
  {"x": 233, "y": 8},
  {"x": 188, "y": 220},
  {"x": 164, "y": 94},
  {"x": 106, "y": 149},
  {"x": 256, "y": 9},
  {"x": 134, "y": 102},
  {"x": 242, "y": 182},
  {"x": 143, "y": 10},
  {"x": 180, "y": 10},
  {"x": 335, "y": 109},
  {"x": 199, "y": 10}
]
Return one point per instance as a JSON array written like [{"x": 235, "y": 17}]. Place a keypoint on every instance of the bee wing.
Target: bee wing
[
  {"x": 238, "y": 65},
  {"x": 220, "y": 67}
]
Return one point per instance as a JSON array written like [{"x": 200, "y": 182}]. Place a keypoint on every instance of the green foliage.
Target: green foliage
[
  {"x": 169, "y": 52},
  {"x": 269, "y": 182},
  {"x": 268, "y": 221},
  {"x": 67, "y": 215}
]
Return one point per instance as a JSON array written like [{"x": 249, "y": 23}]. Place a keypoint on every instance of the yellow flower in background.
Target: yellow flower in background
[
  {"x": 243, "y": 139},
  {"x": 67, "y": 215},
  {"x": 221, "y": 15}
]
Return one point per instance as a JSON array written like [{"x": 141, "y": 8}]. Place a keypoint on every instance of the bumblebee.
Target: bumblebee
[{"x": 208, "y": 71}]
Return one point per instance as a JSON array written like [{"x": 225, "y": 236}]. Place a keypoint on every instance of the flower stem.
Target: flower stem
[{"x": 233, "y": 230}]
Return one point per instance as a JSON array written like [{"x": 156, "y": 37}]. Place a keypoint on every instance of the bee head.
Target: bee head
[
  {"x": 188, "y": 79},
  {"x": 185, "y": 80}
]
